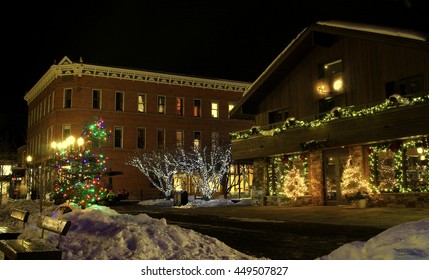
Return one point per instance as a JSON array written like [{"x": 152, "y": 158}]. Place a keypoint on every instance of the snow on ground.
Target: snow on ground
[{"x": 100, "y": 233}]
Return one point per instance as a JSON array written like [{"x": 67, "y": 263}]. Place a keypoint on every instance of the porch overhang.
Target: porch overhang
[{"x": 396, "y": 123}]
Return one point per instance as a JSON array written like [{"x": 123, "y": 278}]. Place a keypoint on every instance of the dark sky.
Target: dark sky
[{"x": 225, "y": 39}]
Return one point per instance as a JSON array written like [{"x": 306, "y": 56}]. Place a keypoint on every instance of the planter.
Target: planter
[{"x": 361, "y": 203}]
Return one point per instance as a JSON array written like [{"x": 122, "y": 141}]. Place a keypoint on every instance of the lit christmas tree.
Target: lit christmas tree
[
  {"x": 81, "y": 166},
  {"x": 353, "y": 184},
  {"x": 294, "y": 184}
]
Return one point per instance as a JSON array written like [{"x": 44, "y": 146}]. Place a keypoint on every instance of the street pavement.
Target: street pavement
[{"x": 377, "y": 217}]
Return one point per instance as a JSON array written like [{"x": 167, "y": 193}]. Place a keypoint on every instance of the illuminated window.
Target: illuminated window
[
  {"x": 197, "y": 139},
  {"x": 330, "y": 78},
  {"x": 215, "y": 109},
  {"x": 179, "y": 106},
  {"x": 231, "y": 106},
  {"x": 197, "y": 108},
  {"x": 180, "y": 138},
  {"x": 141, "y": 107},
  {"x": 161, "y": 104},
  {"x": 66, "y": 131}
]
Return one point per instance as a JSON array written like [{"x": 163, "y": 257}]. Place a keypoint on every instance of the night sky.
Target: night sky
[{"x": 226, "y": 39}]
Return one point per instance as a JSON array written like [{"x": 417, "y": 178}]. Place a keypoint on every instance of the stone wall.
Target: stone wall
[{"x": 400, "y": 200}]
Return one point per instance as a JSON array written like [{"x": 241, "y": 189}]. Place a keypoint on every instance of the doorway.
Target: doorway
[{"x": 334, "y": 162}]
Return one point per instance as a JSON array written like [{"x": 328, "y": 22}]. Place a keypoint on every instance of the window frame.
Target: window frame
[
  {"x": 67, "y": 98},
  {"x": 119, "y": 101},
  {"x": 98, "y": 99},
  {"x": 197, "y": 110},
  {"x": 143, "y": 103},
  {"x": 121, "y": 137}
]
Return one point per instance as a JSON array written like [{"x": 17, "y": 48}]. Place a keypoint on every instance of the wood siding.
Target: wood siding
[{"x": 367, "y": 66}]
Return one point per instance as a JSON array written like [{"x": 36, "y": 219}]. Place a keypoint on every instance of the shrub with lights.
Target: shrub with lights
[{"x": 80, "y": 166}]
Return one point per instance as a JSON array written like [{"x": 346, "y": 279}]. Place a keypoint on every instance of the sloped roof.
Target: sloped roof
[{"x": 324, "y": 32}]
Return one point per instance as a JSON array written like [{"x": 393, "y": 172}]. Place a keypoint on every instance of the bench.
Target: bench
[
  {"x": 12, "y": 232},
  {"x": 21, "y": 249}
]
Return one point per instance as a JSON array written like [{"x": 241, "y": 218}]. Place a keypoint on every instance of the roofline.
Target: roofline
[
  {"x": 325, "y": 26},
  {"x": 67, "y": 68}
]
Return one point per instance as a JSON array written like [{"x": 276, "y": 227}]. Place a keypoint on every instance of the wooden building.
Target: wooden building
[
  {"x": 144, "y": 110},
  {"x": 341, "y": 91}
]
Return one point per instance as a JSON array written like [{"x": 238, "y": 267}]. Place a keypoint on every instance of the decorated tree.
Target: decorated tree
[
  {"x": 81, "y": 165},
  {"x": 294, "y": 184},
  {"x": 353, "y": 185},
  {"x": 159, "y": 166}
]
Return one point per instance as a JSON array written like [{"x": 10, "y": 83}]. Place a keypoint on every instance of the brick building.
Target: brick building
[{"x": 144, "y": 110}]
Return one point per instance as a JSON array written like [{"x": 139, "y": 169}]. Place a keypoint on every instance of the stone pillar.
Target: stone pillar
[
  {"x": 260, "y": 183},
  {"x": 315, "y": 176}
]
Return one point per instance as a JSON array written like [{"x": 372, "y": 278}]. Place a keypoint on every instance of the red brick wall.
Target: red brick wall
[{"x": 81, "y": 112}]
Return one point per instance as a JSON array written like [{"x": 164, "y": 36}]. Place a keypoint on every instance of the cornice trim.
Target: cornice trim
[{"x": 67, "y": 68}]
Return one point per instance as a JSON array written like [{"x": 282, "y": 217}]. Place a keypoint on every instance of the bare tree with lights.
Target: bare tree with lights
[
  {"x": 207, "y": 167},
  {"x": 159, "y": 166}
]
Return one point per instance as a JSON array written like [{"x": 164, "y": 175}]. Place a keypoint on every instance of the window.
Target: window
[
  {"x": 141, "y": 103},
  {"x": 215, "y": 109},
  {"x": 231, "y": 106},
  {"x": 179, "y": 106},
  {"x": 197, "y": 108},
  {"x": 161, "y": 104},
  {"x": 278, "y": 116},
  {"x": 330, "y": 68},
  {"x": 329, "y": 103},
  {"x": 160, "y": 138},
  {"x": 67, "y": 98},
  {"x": 410, "y": 87},
  {"x": 330, "y": 78},
  {"x": 141, "y": 138},
  {"x": 96, "y": 99},
  {"x": 66, "y": 131},
  {"x": 215, "y": 139},
  {"x": 180, "y": 139},
  {"x": 119, "y": 101},
  {"x": 197, "y": 139},
  {"x": 118, "y": 136}
]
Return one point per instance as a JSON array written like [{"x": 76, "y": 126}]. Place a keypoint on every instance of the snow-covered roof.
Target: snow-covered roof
[{"x": 404, "y": 33}]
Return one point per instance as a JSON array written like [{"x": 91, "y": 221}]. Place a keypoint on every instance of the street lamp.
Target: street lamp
[{"x": 29, "y": 179}]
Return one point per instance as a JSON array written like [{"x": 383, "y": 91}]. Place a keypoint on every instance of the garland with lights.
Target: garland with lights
[
  {"x": 80, "y": 167},
  {"x": 391, "y": 102}
]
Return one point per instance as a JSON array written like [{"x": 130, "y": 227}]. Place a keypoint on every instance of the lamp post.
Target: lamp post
[{"x": 29, "y": 179}]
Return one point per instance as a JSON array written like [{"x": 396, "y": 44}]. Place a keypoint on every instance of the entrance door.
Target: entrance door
[{"x": 334, "y": 162}]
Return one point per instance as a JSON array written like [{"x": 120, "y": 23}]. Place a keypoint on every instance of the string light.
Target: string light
[{"x": 79, "y": 168}]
